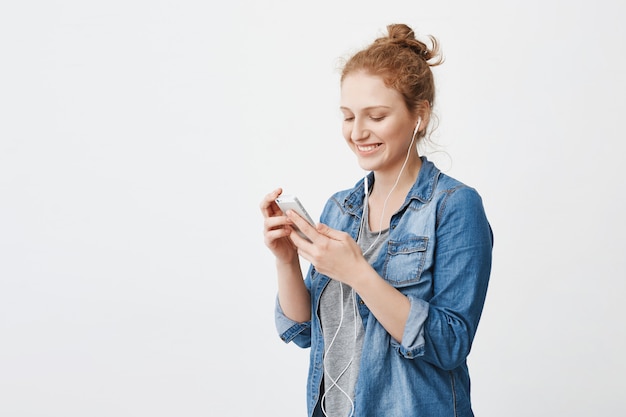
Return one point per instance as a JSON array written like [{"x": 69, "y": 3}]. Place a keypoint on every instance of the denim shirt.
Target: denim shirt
[{"x": 438, "y": 254}]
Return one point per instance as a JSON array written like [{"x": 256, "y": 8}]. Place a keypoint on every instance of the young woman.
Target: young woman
[{"x": 400, "y": 263}]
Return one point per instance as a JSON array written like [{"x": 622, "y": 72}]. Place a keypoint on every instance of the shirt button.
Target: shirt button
[{"x": 361, "y": 302}]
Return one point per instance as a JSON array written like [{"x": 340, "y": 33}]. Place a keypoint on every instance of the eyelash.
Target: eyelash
[{"x": 375, "y": 119}]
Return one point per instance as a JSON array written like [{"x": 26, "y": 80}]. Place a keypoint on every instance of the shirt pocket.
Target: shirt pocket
[{"x": 405, "y": 261}]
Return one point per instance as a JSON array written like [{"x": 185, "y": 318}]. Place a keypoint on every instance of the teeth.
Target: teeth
[{"x": 367, "y": 148}]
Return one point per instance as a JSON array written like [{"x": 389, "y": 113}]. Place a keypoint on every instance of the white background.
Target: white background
[{"x": 137, "y": 139}]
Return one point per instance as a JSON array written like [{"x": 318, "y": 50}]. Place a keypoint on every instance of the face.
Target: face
[{"x": 376, "y": 122}]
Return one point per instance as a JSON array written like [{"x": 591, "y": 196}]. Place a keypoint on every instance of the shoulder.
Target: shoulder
[
  {"x": 457, "y": 199},
  {"x": 450, "y": 188}
]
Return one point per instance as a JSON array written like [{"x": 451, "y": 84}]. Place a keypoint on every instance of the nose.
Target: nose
[{"x": 359, "y": 130}]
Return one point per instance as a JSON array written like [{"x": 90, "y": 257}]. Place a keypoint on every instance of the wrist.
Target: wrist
[
  {"x": 362, "y": 277},
  {"x": 288, "y": 264}
]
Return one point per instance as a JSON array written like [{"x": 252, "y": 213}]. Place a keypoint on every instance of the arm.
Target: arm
[
  {"x": 390, "y": 307},
  {"x": 293, "y": 296},
  {"x": 461, "y": 270}
]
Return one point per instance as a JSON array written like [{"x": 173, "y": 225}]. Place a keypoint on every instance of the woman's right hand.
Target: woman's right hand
[{"x": 276, "y": 229}]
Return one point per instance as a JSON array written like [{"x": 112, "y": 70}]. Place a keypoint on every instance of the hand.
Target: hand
[
  {"x": 276, "y": 229},
  {"x": 333, "y": 253}
]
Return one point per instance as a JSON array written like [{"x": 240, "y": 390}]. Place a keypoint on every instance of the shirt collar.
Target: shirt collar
[{"x": 422, "y": 189}]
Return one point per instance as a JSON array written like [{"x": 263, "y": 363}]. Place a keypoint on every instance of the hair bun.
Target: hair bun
[
  {"x": 400, "y": 31},
  {"x": 402, "y": 35}
]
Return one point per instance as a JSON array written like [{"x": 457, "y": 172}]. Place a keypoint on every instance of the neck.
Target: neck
[{"x": 386, "y": 180}]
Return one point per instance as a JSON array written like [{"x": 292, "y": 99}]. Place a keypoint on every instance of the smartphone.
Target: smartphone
[{"x": 291, "y": 202}]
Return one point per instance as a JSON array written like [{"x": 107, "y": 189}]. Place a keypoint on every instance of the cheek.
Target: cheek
[
  {"x": 347, "y": 132},
  {"x": 396, "y": 132}
]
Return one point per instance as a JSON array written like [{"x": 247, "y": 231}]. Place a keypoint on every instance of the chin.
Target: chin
[{"x": 365, "y": 166}]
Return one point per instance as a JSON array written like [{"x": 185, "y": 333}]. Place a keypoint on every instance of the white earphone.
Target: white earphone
[
  {"x": 334, "y": 381},
  {"x": 366, "y": 188},
  {"x": 417, "y": 126}
]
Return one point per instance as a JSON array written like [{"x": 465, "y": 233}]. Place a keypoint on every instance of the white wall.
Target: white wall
[{"x": 138, "y": 137}]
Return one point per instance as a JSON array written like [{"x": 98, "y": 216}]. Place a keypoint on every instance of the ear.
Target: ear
[{"x": 423, "y": 112}]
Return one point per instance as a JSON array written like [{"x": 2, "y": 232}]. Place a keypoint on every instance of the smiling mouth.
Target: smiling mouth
[{"x": 367, "y": 148}]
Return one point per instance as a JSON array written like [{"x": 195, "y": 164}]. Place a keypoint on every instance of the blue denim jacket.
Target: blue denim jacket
[{"x": 439, "y": 255}]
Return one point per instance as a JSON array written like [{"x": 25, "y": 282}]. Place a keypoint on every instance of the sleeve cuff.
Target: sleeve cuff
[
  {"x": 413, "y": 339},
  {"x": 287, "y": 328}
]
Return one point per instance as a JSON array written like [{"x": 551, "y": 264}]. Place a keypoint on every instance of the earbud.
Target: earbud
[{"x": 419, "y": 122}]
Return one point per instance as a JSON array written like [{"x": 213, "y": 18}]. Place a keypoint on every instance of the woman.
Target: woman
[{"x": 400, "y": 263}]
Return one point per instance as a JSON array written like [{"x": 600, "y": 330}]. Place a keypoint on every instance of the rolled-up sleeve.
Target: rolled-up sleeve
[
  {"x": 413, "y": 337},
  {"x": 289, "y": 330}
]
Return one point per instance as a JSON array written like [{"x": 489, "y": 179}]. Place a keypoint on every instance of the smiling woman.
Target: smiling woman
[
  {"x": 375, "y": 130},
  {"x": 389, "y": 311}
]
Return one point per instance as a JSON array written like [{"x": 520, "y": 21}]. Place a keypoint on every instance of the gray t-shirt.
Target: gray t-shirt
[{"x": 343, "y": 332}]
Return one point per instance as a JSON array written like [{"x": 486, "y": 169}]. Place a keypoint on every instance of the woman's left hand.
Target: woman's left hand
[{"x": 333, "y": 253}]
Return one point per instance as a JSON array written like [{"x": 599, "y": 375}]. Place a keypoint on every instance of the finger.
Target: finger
[
  {"x": 273, "y": 235},
  {"x": 329, "y": 232},
  {"x": 268, "y": 205},
  {"x": 302, "y": 224},
  {"x": 276, "y": 222}
]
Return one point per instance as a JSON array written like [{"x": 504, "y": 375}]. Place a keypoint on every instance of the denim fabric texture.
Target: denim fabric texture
[{"x": 438, "y": 254}]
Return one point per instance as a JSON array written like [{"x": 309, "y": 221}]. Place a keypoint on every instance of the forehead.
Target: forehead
[{"x": 361, "y": 90}]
